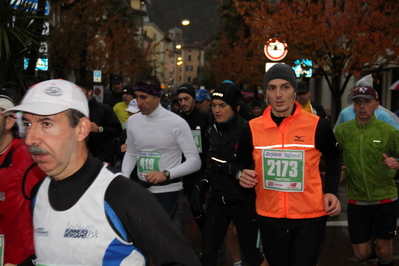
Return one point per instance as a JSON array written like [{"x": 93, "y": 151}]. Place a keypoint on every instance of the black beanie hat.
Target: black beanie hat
[
  {"x": 228, "y": 93},
  {"x": 186, "y": 88},
  {"x": 280, "y": 71}
]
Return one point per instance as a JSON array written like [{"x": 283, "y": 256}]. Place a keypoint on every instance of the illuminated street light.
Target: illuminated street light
[
  {"x": 179, "y": 58},
  {"x": 178, "y": 46},
  {"x": 185, "y": 22},
  {"x": 179, "y": 63}
]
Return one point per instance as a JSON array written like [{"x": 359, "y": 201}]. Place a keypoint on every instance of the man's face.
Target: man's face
[
  {"x": 2, "y": 125},
  {"x": 147, "y": 103},
  {"x": 256, "y": 111},
  {"x": 127, "y": 98},
  {"x": 204, "y": 105},
  {"x": 117, "y": 87},
  {"x": 280, "y": 95},
  {"x": 364, "y": 108},
  {"x": 6, "y": 123},
  {"x": 87, "y": 93},
  {"x": 186, "y": 101},
  {"x": 221, "y": 110},
  {"x": 53, "y": 143},
  {"x": 303, "y": 98}
]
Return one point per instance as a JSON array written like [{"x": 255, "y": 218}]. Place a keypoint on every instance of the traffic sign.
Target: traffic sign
[{"x": 97, "y": 76}]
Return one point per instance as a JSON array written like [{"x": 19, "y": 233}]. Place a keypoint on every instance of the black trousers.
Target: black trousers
[
  {"x": 291, "y": 242},
  {"x": 216, "y": 221}
]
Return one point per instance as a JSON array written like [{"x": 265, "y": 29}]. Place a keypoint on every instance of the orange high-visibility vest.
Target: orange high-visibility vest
[{"x": 296, "y": 132}]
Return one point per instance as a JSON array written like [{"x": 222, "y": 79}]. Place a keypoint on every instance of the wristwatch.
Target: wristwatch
[
  {"x": 100, "y": 129},
  {"x": 238, "y": 175},
  {"x": 167, "y": 174}
]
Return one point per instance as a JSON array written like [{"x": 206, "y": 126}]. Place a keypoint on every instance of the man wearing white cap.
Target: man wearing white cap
[
  {"x": 370, "y": 147},
  {"x": 19, "y": 174},
  {"x": 80, "y": 214}
]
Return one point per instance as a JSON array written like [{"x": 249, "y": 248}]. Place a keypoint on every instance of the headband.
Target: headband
[{"x": 148, "y": 88}]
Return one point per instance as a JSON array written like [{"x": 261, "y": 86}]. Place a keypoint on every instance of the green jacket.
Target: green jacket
[{"x": 367, "y": 177}]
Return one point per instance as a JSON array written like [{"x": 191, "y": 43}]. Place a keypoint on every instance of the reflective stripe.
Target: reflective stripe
[{"x": 285, "y": 146}]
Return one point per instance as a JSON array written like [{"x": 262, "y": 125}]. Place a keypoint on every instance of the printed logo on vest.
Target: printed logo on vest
[
  {"x": 299, "y": 138},
  {"x": 41, "y": 232},
  {"x": 77, "y": 231}
]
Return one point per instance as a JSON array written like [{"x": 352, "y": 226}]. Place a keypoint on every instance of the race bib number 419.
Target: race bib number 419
[
  {"x": 148, "y": 161},
  {"x": 283, "y": 170}
]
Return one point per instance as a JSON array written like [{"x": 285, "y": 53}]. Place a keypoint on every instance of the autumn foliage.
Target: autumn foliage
[
  {"x": 342, "y": 37},
  {"x": 96, "y": 35}
]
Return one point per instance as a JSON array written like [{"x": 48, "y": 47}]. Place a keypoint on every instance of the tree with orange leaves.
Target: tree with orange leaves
[
  {"x": 96, "y": 35},
  {"x": 342, "y": 37},
  {"x": 233, "y": 55}
]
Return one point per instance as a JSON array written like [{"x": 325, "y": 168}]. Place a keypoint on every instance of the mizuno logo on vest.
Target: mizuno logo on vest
[{"x": 299, "y": 138}]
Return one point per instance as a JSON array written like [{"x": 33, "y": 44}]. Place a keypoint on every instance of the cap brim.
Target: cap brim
[
  {"x": 367, "y": 97},
  {"x": 133, "y": 110},
  {"x": 37, "y": 108}
]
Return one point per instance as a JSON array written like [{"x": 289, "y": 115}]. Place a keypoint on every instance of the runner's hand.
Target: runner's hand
[
  {"x": 155, "y": 177},
  {"x": 390, "y": 162},
  {"x": 332, "y": 204},
  {"x": 248, "y": 178}
]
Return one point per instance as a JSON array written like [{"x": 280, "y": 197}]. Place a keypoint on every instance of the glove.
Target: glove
[{"x": 198, "y": 198}]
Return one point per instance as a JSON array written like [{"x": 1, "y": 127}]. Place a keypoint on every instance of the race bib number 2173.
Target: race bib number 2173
[{"x": 283, "y": 170}]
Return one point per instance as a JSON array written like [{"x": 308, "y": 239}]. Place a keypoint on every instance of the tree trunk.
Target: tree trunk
[{"x": 34, "y": 53}]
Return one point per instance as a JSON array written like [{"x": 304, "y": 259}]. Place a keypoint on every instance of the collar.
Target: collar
[
  {"x": 269, "y": 121},
  {"x": 82, "y": 177}
]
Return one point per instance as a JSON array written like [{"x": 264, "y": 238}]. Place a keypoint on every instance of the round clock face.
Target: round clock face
[{"x": 275, "y": 50}]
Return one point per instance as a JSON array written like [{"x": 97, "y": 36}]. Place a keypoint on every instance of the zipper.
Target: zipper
[
  {"x": 285, "y": 194},
  {"x": 362, "y": 160}
]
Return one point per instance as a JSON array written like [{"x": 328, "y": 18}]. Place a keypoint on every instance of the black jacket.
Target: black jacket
[
  {"x": 200, "y": 119},
  {"x": 230, "y": 142},
  {"x": 102, "y": 145}
]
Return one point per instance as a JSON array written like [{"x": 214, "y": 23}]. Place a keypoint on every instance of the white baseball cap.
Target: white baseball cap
[
  {"x": 52, "y": 97},
  {"x": 133, "y": 108}
]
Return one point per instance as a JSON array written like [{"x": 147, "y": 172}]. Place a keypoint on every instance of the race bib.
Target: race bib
[
  {"x": 1, "y": 249},
  {"x": 148, "y": 161},
  {"x": 283, "y": 170},
  {"x": 197, "y": 139}
]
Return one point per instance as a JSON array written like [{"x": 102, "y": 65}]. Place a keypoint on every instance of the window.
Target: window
[
  {"x": 189, "y": 68},
  {"x": 189, "y": 58}
]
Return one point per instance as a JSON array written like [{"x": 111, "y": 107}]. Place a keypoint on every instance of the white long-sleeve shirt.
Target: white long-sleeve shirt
[{"x": 166, "y": 136}]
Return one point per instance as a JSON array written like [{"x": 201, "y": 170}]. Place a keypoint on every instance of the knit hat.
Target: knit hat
[
  {"x": 280, "y": 71},
  {"x": 128, "y": 89},
  {"x": 228, "y": 93},
  {"x": 51, "y": 97},
  {"x": 186, "y": 88},
  {"x": 5, "y": 99}
]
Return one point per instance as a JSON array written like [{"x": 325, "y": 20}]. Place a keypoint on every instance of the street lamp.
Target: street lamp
[{"x": 185, "y": 22}]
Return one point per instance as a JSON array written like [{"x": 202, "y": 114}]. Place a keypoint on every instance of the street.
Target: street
[{"x": 337, "y": 250}]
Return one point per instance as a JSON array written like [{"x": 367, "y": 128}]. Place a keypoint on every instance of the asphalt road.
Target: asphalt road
[{"x": 337, "y": 250}]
